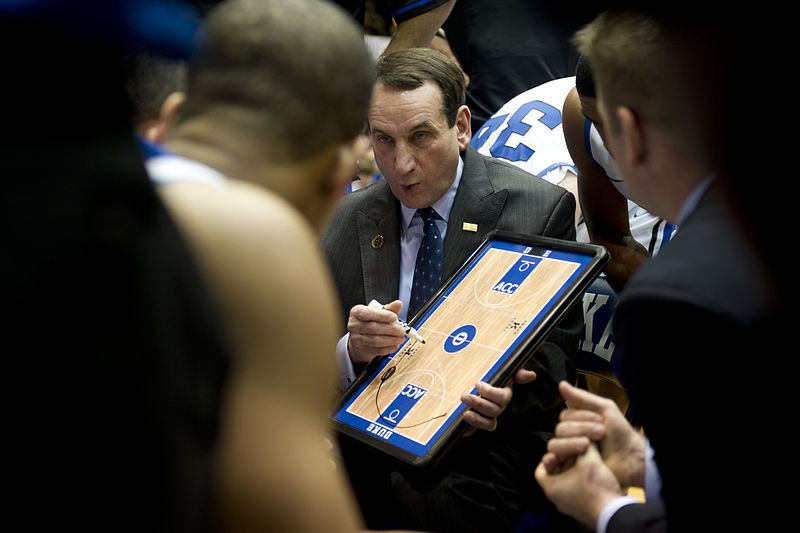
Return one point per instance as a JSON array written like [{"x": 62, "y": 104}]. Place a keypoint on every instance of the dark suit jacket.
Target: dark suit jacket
[{"x": 687, "y": 326}]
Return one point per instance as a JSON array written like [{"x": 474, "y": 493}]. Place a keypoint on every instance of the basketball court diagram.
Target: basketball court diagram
[{"x": 471, "y": 329}]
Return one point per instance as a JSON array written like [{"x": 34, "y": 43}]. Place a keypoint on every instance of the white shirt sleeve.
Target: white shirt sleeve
[
  {"x": 652, "y": 477},
  {"x": 346, "y": 372},
  {"x": 652, "y": 492}
]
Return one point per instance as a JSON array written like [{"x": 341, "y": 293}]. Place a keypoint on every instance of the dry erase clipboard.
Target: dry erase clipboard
[{"x": 483, "y": 324}]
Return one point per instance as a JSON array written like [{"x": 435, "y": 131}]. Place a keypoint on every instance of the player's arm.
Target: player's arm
[
  {"x": 604, "y": 209},
  {"x": 264, "y": 267},
  {"x": 418, "y": 31}
]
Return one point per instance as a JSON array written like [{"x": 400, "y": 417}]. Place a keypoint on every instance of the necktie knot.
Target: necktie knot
[{"x": 428, "y": 215}]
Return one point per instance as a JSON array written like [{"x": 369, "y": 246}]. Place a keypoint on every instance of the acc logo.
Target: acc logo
[
  {"x": 460, "y": 338},
  {"x": 401, "y": 405},
  {"x": 511, "y": 280},
  {"x": 412, "y": 391},
  {"x": 506, "y": 287}
]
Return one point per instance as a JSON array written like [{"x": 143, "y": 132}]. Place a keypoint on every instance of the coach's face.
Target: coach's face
[{"x": 416, "y": 150}]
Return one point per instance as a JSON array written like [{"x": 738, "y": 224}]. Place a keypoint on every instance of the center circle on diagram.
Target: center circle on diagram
[{"x": 460, "y": 338}]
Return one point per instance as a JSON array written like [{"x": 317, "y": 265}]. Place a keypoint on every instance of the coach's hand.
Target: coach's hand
[
  {"x": 592, "y": 419},
  {"x": 373, "y": 332},
  {"x": 582, "y": 490},
  {"x": 490, "y": 402}
]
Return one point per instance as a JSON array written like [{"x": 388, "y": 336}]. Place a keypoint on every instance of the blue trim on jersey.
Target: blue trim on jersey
[
  {"x": 587, "y": 130},
  {"x": 662, "y": 233},
  {"x": 148, "y": 148},
  {"x": 554, "y": 166},
  {"x": 669, "y": 229},
  {"x": 409, "y": 7}
]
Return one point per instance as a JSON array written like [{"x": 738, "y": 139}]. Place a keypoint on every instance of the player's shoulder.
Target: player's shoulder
[
  {"x": 572, "y": 118},
  {"x": 242, "y": 218},
  {"x": 552, "y": 92},
  {"x": 233, "y": 196},
  {"x": 505, "y": 175}
]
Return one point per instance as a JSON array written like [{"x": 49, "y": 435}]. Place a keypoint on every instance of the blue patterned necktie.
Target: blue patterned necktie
[{"x": 428, "y": 270}]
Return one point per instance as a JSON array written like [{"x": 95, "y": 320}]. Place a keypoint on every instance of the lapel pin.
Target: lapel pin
[
  {"x": 469, "y": 226},
  {"x": 377, "y": 241}
]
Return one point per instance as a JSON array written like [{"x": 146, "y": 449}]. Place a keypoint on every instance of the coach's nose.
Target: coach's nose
[{"x": 404, "y": 159}]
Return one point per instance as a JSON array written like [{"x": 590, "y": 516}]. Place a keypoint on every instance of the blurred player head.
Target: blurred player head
[
  {"x": 418, "y": 124},
  {"x": 156, "y": 86},
  {"x": 268, "y": 77}
]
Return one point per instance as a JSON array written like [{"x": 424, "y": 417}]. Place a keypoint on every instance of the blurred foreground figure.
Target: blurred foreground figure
[
  {"x": 116, "y": 355},
  {"x": 260, "y": 150}
]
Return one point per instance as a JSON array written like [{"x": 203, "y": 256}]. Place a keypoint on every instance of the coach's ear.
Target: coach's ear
[{"x": 463, "y": 127}]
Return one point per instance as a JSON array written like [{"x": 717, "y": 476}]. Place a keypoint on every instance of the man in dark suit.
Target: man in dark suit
[
  {"x": 420, "y": 130},
  {"x": 709, "y": 284}
]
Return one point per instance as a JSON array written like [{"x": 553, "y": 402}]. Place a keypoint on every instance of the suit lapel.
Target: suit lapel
[
  {"x": 477, "y": 205},
  {"x": 378, "y": 228}
]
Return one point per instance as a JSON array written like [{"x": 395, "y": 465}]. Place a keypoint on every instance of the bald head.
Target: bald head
[{"x": 296, "y": 74}]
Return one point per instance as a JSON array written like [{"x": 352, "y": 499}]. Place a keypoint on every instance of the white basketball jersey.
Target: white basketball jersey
[
  {"x": 597, "y": 151},
  {"x": 649, "y": 230},
  {"x": 172, "y": 168},
  {"x": 527, "y": 131}
]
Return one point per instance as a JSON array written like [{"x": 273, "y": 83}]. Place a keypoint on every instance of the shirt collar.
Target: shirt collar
[
  {"x": 693, "y": 199},
  {"x": 442, "y": 206}
]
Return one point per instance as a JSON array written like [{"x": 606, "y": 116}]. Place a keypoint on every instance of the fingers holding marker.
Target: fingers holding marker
[{"x": 407, "y": 330}]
